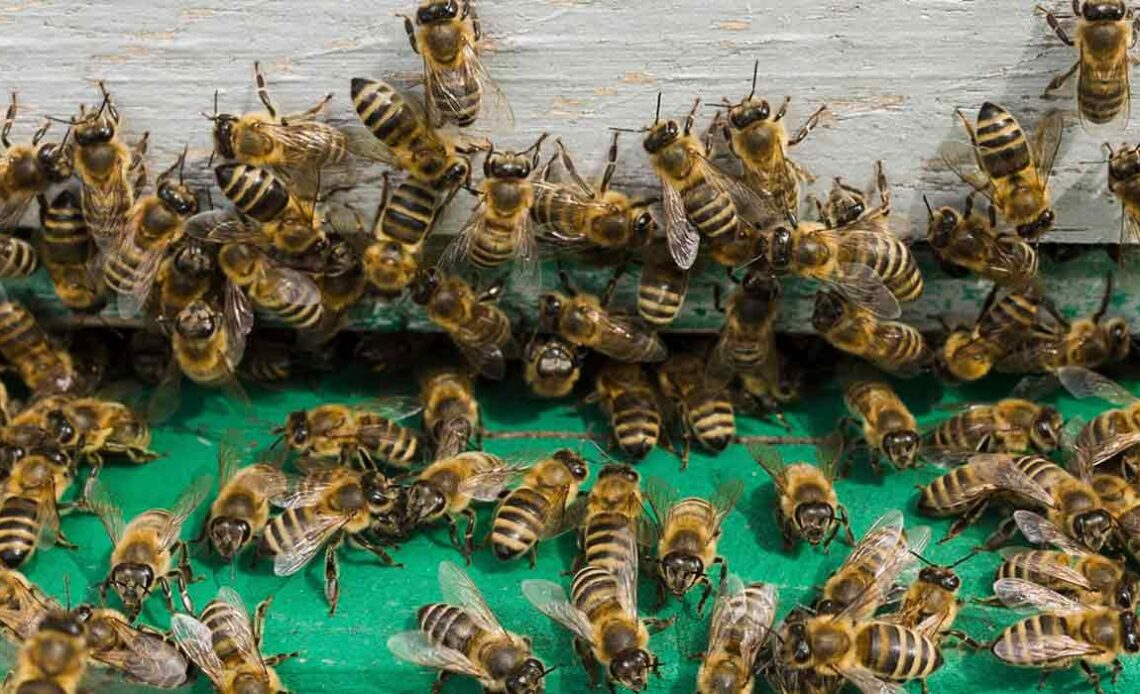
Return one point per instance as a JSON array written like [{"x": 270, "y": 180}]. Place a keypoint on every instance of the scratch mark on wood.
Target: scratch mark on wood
[
  {"x": 735, "y": 25},
  {"x": 637, "y": 77}
]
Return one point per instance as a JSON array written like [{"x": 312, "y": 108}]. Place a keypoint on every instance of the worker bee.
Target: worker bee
[
  {"x": 53, "y": 658},
  {"x": 783, "y": 678},
  {"x": 107, "y": 168},
  {"x": 279, "y": 216},
  {"x": 462, "y": 636},
  {"x": 480, "y": 330},
  {"x": 1071, "y": 569},
  {"x": 446, "y": 34},
  {"x": 1075, "y": 509},
  {"x": 808, "y": 507},
  {"x": 746, "y": 344},
  {"x": 207, "y": 343},
  {"x": 603, "y": 617},
  {"x": 892, "y": 346},
  {"x": 1066, "y": 633},
  {"x": 29, "y": 505},
  {"x": 698, "y": 199},
  {"x": 661, "y": 289},
  {"x": 629, "y": 401},
  {"x": 706, "y": 414},
  {"x": 43, "y": 367},
  {"x": 144, "y": 549},
  {"x": 967, "y": 490},
  {"x": 391, "y": 254},
  {"x": 584, "y": 319},
  {"x": 931, "y": 603},
  {"x": 869, "y": 574},
  {"x": 970, "y": 353},
  {"x": 187, "y": 274},
  {"x": 139, "y": 652},
  {"x": 971, "y": 240},
  {"x": 888, "y": 428},
  {"x": 552, "y": 366},
  {"x": 578, "y": 215},
  {"x": 741, "y": 622},
  {"x": 541, "y": 507},
  {"x": 687, "y": 532},
  {"x": 759, "y": 139},
  {"x": 1123, "y": 167},
  {"x": 1007, "y": 166},
  {"x": 328, "y": 507},
  {"x": 241, "y": 510},
  {"x": 446, "y": 488},
  {"x": 361, "y": 433},
  {"x": 226, "y": 646},
  {"x": 282, "y": 292},
  {"x": 1104, "y": 36},
  {"x": 18, "y": 258},
  {"x": 451, "y": 412},
  {"x": 1011, "y": 425},
  {"x": 153, "y": 223},
  {"x": 28, "y": 170},
  {"x": 66, "y": 249},
  {"x": 294, "y": 142},
  {"x": 1111, "y": 434},
  {"x": 341, "y": 281},
  {"x": 1090, "y": 342},
  {"x": 268, "y": 361},
  {"x": 612, "y": 519},
  {"x": 22, "y": 605},
  {"x": 848, "y": 206}
]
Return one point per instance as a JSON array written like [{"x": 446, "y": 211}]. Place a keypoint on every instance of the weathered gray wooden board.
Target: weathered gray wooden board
[{"x": 891, "y": 72}]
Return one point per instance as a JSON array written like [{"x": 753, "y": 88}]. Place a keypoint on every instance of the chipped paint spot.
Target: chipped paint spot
[
  {"x": 342, "y": 44},
  {"x": 156, "y": 36},
  {"x": 562, "y": 107},
  {"x": 194, "y": 13},
  {"x": 605, "y": 91},
  {"x": 866, "y": 104},
  {"x": 735, "y": 25},
  {"x": 637, "y": 77}
]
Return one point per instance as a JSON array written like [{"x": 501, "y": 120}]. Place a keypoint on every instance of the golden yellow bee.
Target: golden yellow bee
[
  {"x": 354, "y": 434},
  {"x": 241, "y": 510},
  {"x": 892, "y": 346},
  {"x": 451, "y": 412},
  {"x": 28, "y": 170},
  {"x": 931, "y": 603},
  {"x": 628, "y": 399},
  {"x": 614, "y": 509},
  {"x": 29, "y": 505},
  {"x": 1124, "y": 182},
  {"x": 552, "y": 366},
  {"x": 1011, "y": 425},
  {"x": 808, "y": 506},
  {"x": 43, "y": 367},
  {"x": 66, "y": 249},
  {"x": 1104, "y": 36},
  {"x": 188, "y": 273},
  {"x": 289, "y": 295},
  {"x": 739, "y": 628},
  {"x": 541, "y": 507},
  {"x": 746, "y": 344},
  {"x": 1002, "y": 326},
  {"x": 1112, "y": 434},
  {"x": 887, "y": 425},
  {"x": 705, "y": 413},
  {"x": 970, "y": 240}
]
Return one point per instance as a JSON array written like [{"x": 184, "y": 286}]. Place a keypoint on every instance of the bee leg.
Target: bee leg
[
  {"x": 655, "y": 625},
  {"x": 704, "y": 595},
  {"x": 440, "y": 679},
  {"x": 263, "y": 90},
  {"x": 692, "y": 117},
  {"x": 589, "y": 662},
  {"x": 966, "y": 639},
  {"x": 410, "y": 30},
  {"x": 1055, "y": 25},
  {"x": 469, "y": 11},
  {"x": 9, "y": 121},
  {"x": 808, "y": 125},
  {"x": 167, "y": 593},
  {"x": 611, "y": 286},
  {"x": 309, "y": 113},
  {"x": 571, "y": 170},
  {"x": 1045, "y": 675},
  {"x": 332, "y": 573},
  {"x": 375, "y": 549},
  {"x": 1059, "y": 80},
  {"x": 662, "y": 596},
  {"x": 469, "y": 535},
  {"x": 1093, "y": 677},
  {"x": 1117, "y": 668},
  {"x": 611, "y": 164},
  {"x": 970, "y": 517}
]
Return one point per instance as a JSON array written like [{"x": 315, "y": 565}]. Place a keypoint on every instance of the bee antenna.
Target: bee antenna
[
  {"x": 929, "y": 209},
  {"x": 53, "y": 119},
  {"x": 67, "y": 591},
  {"x": 755, "y": 72},
  {"x": 627, "y": 130},
  {"x": 1108, "y": 147},
  {"x": 657, "y": 115},
  {"x": 552, "y": 668},
  {"x": 964, "y": 558},
  {"x": 921, "y": 558}
]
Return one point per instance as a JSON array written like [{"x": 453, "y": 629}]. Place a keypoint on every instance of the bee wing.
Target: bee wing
[
  {"x": 550, "y": 599},
  {"x": 229, "y": 456},
  {"x": 769, "y": 458},
  {"x": 109, "y": 513},
  {"x": 131, "y": 303},
  {"x": 360, "y": 141},
  {"x": 758, "y": 206},
  {"x": 235, "y": 623},
  {"x": 1084, "y": 383},
  {"x": 309, "y": 489},
  {"x": 867, "y": 682},
  {"x": 1054, "y": 570},
  {"x": 1087, "y": 457},
  {"x": 886, "y": 532},
  {"x": 189, "y": 499},
  {"x": 1042, "y": 649},
  {"x": 457, "y": 253},
  {"x": 626, "y": 573},
  {"x": 25, "y": 606},
  {"x": 734, "y": 617},
  {"x": 864, "y": 287},
  {"x": 726, "y": 496},
  {"x": 415, "y": 647},
  {"x": 526, "y": 275},
  {"x": 225, "y": 226},
  {"x": 683, "y": 239},
  {"x": 1019, "y": 594},
  {"x": 106, "y": 209},
  {"x": 1042, "y": 531},
  {"x": 312, "y": 538},
  {"x": 998, "y": 471},
  {"x": 267, "y": 479},
  {"x": 487, "y": 359},
  {"x": 196, "y": 641},
  {"x": 829, "y": 452},
  {"x": 237, "y": 314},
  {"x": 394, "y": 407},
  {"x": 457, "y": 588},
  {"x": 146, "y": 657},
  {"x": 12, "y": 207},
  {"x": 617, "y": 337},
  {"x": 295, "y": 288},
  {"x": 661, "y": 497},
  {"x": 962, "y": 159},
  {"x": 1047, "y": 142},
  {"x": 487, "y": 486},
  {"x": 305, "y": 143},
  {"x": 567, "y": 518}
]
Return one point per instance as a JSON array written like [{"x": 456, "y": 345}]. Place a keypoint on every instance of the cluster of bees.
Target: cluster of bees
[{"x": 284, "y": 251}]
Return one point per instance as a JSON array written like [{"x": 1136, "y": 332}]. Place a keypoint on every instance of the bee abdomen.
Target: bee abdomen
[
  {"x": 518, "y": 523},
  {"x": 494, "y": 247},
  {"x": 1018, "y": 643},
  {"x": 448, "y": 625},
  {"x": 1101, "y": 100},
  {"x": 714, "y": 423},
  {"x": 897, "y": 653},
  {"x": 458, "y": 98},
  {"x": 286, "y": 530},
  {"x": 254, "y": 191},
  {"x": 636, "y": 424},
  {"x": 710, "y": 210},
  {"x": 893, "y": 262},
  {"x": 658, "y": 300},
  {"x": 1004, "y": 149},
  {"x": 386, "y": 115},
  {"x": 218, "y": 616},
  {"x": 606, "y": 542},
  {"x": 19, "y": 530},
  {"x": 411, "y": 212},
  {"x": 594, "y": 590},
  {"x": 17, "y": 257}
]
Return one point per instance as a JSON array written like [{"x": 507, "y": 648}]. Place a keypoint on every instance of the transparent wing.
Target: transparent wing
[
  {"x": 132, "y": 302},
  {"x": 292, "y": 559},
  {"x": 311, "y": 488},
  {"x": 864, "y": 287},
  {"x": 362, "y": 143},
  {"x": 1047, "y": 142},
  {"x": 488, "y": 485},
  {"x": 760, "y": 206},
  {"x": 229, "y": 456},
  {"x": 1019, "y": 594},
  {"x": 496, "y": 109},
  {"x": 225, "y": 226},
  {"x": 1043, "y": 649},
  {"x": 867, "y": 682},
  {"x": 997, "y": 470},
  {"x": 190, "y": 497},
  {"x": 626, "y": 573},
  {"x": 1089, "y": 455},
  {"x": 457, "y": 254},
  {"x": 304, "y": 143},
  {"x": 394, "y": 407},
  {"x": 738, "y": 618},
  {"x": 24, "y": 606},
  {"x": 1054, "y": 570},
  {"x": 458, "y": 589},
  {"x": 109, "y": 513},
  {"x": 769, "y": 458},
  {"x": 661, "y": 497},
  {"x": 488, "y": 359},
  {"x": 13, "y": 206},
  {"x": 526, "y": 274},
  {"x": 1084, "y": 383},
  {"x": 683, "y": 239},
  {"x": 146, "y": 657},
  {"x": 415, "y": 647},
  {"x": 1042, "y": 531},
  {"x": 550, "y": 599},
  {"x": 961, "y": 158},
  {"x": 235, "y": 623},
  {"x": 618, "y": 339},
  {"x": 196, "y": 641},
  {"x": 237, "y": 316},
  {"x": 294, "y": 288}
]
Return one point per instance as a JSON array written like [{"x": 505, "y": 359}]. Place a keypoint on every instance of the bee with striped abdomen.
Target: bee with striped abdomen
[
  {"x": 1003, "y": 163},
  {"x": 208, "y": 344},
  {"x": 1074, "y": 507},
  {"x": 66, "y": 250},
  {"x": 661, "y": 288},
  {"x": 738, "y": 630},
  {"x": 892, "y": 346},
  {"x": 629, "y": 401},
  {"x": 140, "y": 653},
  {"x": 614, "y": 509},
  {"x": 552, "y": 366},
  {"x": 53, "y": 658},
  {"x": 451, "y": 412},
  {"x": 887, "y": 426},
  {"x": 704, "y": 413},
  {"x": 27, "y": 171},
  {"x": 1111, "y": 435},
  {"x": 1002, "y": 325},
  {"x": 241, "y": 510},
  {"x": 289, "y": 295},
  {"x": 931, "y": 603},
  {"x": 274, "y": 214},
  {"x": 688, "y": 531},
  {"x": 543, "y": 505},
  {"x": 18, "y": 258},
  {"x": 970, "y": 240},
  {"x": 462, "y": 636},
  {"x": 226, "y": 646},
  {"x": 355, "y": 434},
  {"x": 807, "y": 506},
  {"x": 1011, "y": 425},
  {"x": 187, "y": 274},
  {"x": 1124, "y": 182},
  {"x": 22, "y": 605},
  {"x": 43, "y": 367},
  {"x": 746, "y": 344},
  {"x": 29, "y": 505}
]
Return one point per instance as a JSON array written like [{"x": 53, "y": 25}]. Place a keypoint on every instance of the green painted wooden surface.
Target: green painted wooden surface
[{"x": 346, "y": 653}]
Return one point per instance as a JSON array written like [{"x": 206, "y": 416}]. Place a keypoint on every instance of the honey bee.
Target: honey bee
[
  {"x": 43, "y": 367},
  {"x": 294, "y": 142},
  {"x": 139, "y": 652},
  {"x": 1011, "y": 425},
  {"x": 187, "y": 274},
  {"x": 153, "y": 223},
  {"x": 541, "y": 507},
  {"x": 446, "y": 34},
  {"x": 107, "y": 169},
  {"x": 1076, "y": 509},
  {"x": 759, "y": 139},
  {"x": 1090, "y": 342},
  {"x": 1111, "y": 434},
  {"x": 612, "y": 522},
  {"x": 480, "y": 330},
  {"x": 354, "y": 434},
  {"x": 584, "y": 319},
  {"x": 783, "y": 678},
  {"x": 66, "y": 249},
  {"x": 54, "y": 658},
  {"x": 552, "y": 366},
  {"x": 451, "y": 412},
  {"x": 207, "y": 343},
  {"x": 603, "y": 617},
  {"x": 1066, "y": 633},
  {"x": 328, "y": 507},
  {"x": 27, "y": 171},
  {"x": 280, "y": 217},
  {"x": 629, "y": 401},
  {"x": 1071, "y": 570},
  {"x": 741, "y": 622},
  {"x": 342, "y": 280},
  {"x": 446, "y": 488},
  {"x": 698, "y": 199},
  {"x": 1104, "y": 36},
  {"x": 287, "y": 294},
  {"x": 226, "y": 646},
  {"x": 462, "y": 636},
  {"x": 144, "y": 549},
  {"x": 29, "y": 506},
  {"x": 268, "y": 361},
  {"x": 706, "y": 414},
  {"x": 18, "y": 258},
  {"x": 1007, "y": 166},
  {"x": 578, "y": 215},
  {"x": 1123, "y": 167},
  {"x": 968, "y": 354},
  {"x": 931, "y": 603},
  {"x": 661, "y": 289},
  {"x": 892, "y": 346},
  {"x": 746, "y": 344},
  {"x": 241, "y": 510},
  {"x": 847, "y": 206},
  {"x": 22, "y": 605},
  {"x": 887, "y": 426},
  {"x": 808, "y": 508},
  {"x": 971, "y": 240},
  {"x": 688, "y": 531}
]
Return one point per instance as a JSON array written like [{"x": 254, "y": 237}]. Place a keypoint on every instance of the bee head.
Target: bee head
[
  {"x": 573, "y": 462},
  {"x": 780, "y": 248},
  {"x": 1119, "y": 338},
  {"x": 197, "y": 321},
  {"x": 623, "y": 471},
  {"x": 133, "y": 583},
  {"x": 228, "y": 535},
  {"x": 433, "y": 12},
  {"x": 940, "y": 576},
  {"x": 661, "y": 135},
  {"x": 1126, "y": 591},
  {"x": 680, "y": 571},
  {"x": 425, "y": 284},
  {"x": 748, "y": 112},
  {"x": 55, "y": 162},
  {"x": 193, "y": 259},
  {"x": 296, "y": 429},
  {"x": 251, "y": 683},
  {"x": 508, "y": 166},
  {"x": 797, "y": 644},
  {"x": 61, "y": 428},
  {"x": 94, "y": 130},
  {"x": 526, "y": 678},
  {"x": 761, "y": 285},
  {"x": 1130, "y": 631},
  {"x": 549, "y": 309},
  {"x": 1039, "y": 226},
  {"x": 1093, "y": 528},
  {"x": 1046, "y": 432},
  {"x": 814, "y": 519},
  {"x": 425, "y": 502},
  {"x": 177, "y": 197},
  {"x": 901, "y": 448},
  {"x": 1123, "y": 164},
  {"x": 631, "y": 668},
  {"x": 458, "y": 172},
  {"x": 1103, "y": 11}
]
